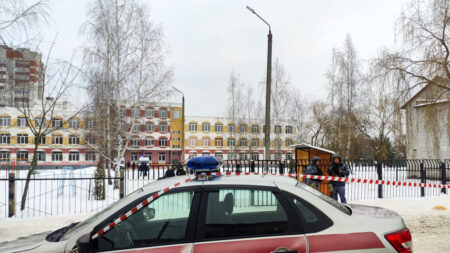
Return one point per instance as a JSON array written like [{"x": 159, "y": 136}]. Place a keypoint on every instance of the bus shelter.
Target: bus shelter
[{"x": 304, "y": 153}]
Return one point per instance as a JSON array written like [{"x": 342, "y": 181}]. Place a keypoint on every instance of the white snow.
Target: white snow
[{"x": 430, "y": 228}]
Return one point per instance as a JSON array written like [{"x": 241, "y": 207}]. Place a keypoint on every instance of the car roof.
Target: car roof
[{"x": 256, "y": 180}]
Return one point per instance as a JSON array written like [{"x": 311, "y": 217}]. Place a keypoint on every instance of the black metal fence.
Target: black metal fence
[{"x": 76, "y": 193}]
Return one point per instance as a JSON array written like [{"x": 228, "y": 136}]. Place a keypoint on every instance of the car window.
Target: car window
[
  {"x": 324, "y": 197},
  {"x": 235, "y": 213},
  {"x": 80, "y": 226},
  {"x": 164, "y": 220},
  {"x": 314, "y": 219}
]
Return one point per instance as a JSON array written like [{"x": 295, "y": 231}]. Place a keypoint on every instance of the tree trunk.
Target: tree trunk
[{"x": 30, "y": 172}]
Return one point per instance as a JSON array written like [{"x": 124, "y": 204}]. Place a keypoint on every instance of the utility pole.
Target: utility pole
[{"x": 268, "y": 88}]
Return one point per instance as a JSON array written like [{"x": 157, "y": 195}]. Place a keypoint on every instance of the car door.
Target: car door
[
  {"x": 247, "y": 219},
  {"x": 165, "y": 225}
]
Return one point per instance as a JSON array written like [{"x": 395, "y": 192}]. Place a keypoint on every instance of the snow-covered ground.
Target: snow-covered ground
[{"x": 430, "y": 228}]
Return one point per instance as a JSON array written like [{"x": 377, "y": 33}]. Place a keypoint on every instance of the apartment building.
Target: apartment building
[{"x": 235, "y": 140}]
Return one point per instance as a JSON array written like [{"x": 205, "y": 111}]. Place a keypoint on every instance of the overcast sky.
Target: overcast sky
[{"x": 207, "y": 40}]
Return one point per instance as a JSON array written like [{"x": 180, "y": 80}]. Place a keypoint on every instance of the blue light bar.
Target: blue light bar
[{"x": 203, "y": 163}]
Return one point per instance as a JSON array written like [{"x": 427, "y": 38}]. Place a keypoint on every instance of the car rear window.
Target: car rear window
[{"x": 324, "y": 197}]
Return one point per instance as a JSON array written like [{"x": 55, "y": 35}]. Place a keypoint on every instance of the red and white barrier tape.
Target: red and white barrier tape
[
  {"x": 144, "y": 203},
  {"x": 326, "y": 178}
]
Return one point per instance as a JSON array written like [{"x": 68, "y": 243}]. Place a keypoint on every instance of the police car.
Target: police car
[{"x": 221, "y": 213}]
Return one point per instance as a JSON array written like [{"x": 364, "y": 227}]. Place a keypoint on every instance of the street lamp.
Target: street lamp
[
  {"x": 182, "y": 124},
  {"x": 268, "y": 90}
]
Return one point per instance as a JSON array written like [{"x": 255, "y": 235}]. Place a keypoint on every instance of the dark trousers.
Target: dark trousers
[{"x": 341, "y": 191}]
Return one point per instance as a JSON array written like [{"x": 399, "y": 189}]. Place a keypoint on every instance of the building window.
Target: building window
[
  {"x": 193, "y": 141},
  {"x": 163, "y": 114},
  {"x": 163, "y": 128},
  {"x": 206, "y": 153},
  {"x": 137, "y": 128},
  {"x": 163, "y": 142},
  {"x": 255, "y": 142},
  {"x": 40, "y": 140},
  {"x": 219, "y": 142},
  {"x": 22, "y": 122},
  {"x": 192, "y": 154},
  {"x": 90, "y": 139},
  {"x": 89, "y": 156},
  {"x": 205, "y": 142},
  {"x": 277, "y": 142},
  {"x": 56, "y": 123},
  {"x": 57, "y": 139},
  {"x": 231, "y": 142},
  {"x": 288, "y": 156},
  {"x": 57, "y": 156},
  {"x": 123, "y": 112},
  {"x": 243, "y": 142},
  {"x": 90, "y": 124},
  {"x": 149, "y": 156},
  {"x": 22, "y": 155},
  {"x": 39, "y": 122},
  {"x": 74, "y": 140},
  {"x": 74, "y": 123},
  {"x": 289, "y": 129},
  {"x": 41, "y": 156},
  {"x": 255, "y": 129},
  {"x": 242, "y": 128},
  {"x": 218, "y": 155},
  {"x": 149, "y": 142},
  {"x": 218, "y": 128},
  {"x": 74, "y": 156},
  {"x": 4, "y": 155},
  {"x": 231, "y": 128},
  {"x": 176, "y": 114},
  {"x": 206, "y": 127},
  {"x": 5, "y": 139},
  {"x": 231, "y": 155},
  {"x": 278, "y": 129},
  {"x": 149, "y": 127},
  {"x": 136, "y": 112},
  {"x": 5, "y": 121},
  {"x": 134, "y": 157},
  {"x": 278, "y": 156},
  {"x": 243, "y": 156},
  {"x": 162, "y": 157},
  {"x": 255, "y": 156},
  {"x": 192, "y": 127},
  {"x": 289, "y": 142},
  {"x": 135, "y": 142},
  {"x": 22, "y": 138},
  {"x": 149, "y": 113}
]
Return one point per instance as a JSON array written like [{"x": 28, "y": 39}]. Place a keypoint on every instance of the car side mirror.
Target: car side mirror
[
  {"x": 84, "y": 244},
  {"x": 149, "y": 213}
]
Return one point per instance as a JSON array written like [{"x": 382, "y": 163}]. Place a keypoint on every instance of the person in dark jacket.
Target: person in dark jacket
[
  {"x": 133, "y": 166},
  {"x": 145, "y": 170},
  {"x": 338, "y": 169},
  {"x": 314, "y": 169},
  {"x": 169, "y": 173},
  {"x": 180, "y": 171}
]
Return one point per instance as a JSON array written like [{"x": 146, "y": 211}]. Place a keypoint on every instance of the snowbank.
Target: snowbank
[{"x": 430, "y": 228}]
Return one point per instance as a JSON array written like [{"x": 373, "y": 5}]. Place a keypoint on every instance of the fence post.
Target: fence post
[
  {"x": 121, "y": 184},
  {"x": 444, "y": 177},
  {"x": 380, "y": 177},
  {"x": 423, "y": 179},
  {"x": 12, "y": 195}
]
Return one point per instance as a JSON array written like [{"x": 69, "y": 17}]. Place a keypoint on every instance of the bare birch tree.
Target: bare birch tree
[
  {"x": 345, "y": 95},
  {"x": 234, "y": 110},
  {"x": 125, "y": 69},
  {"x": 19, "y": 20},
  {"x": 56, "y": 80}
]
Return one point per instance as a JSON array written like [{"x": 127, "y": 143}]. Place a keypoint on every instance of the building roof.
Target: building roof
[
  {"x": 429, "y": 84},
  {"x": 305, "y": 146}
]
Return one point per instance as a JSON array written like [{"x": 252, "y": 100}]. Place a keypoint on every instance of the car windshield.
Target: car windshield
[
  {"x": 94, "y": 217},
  {"x": 324, "y": 197}
]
